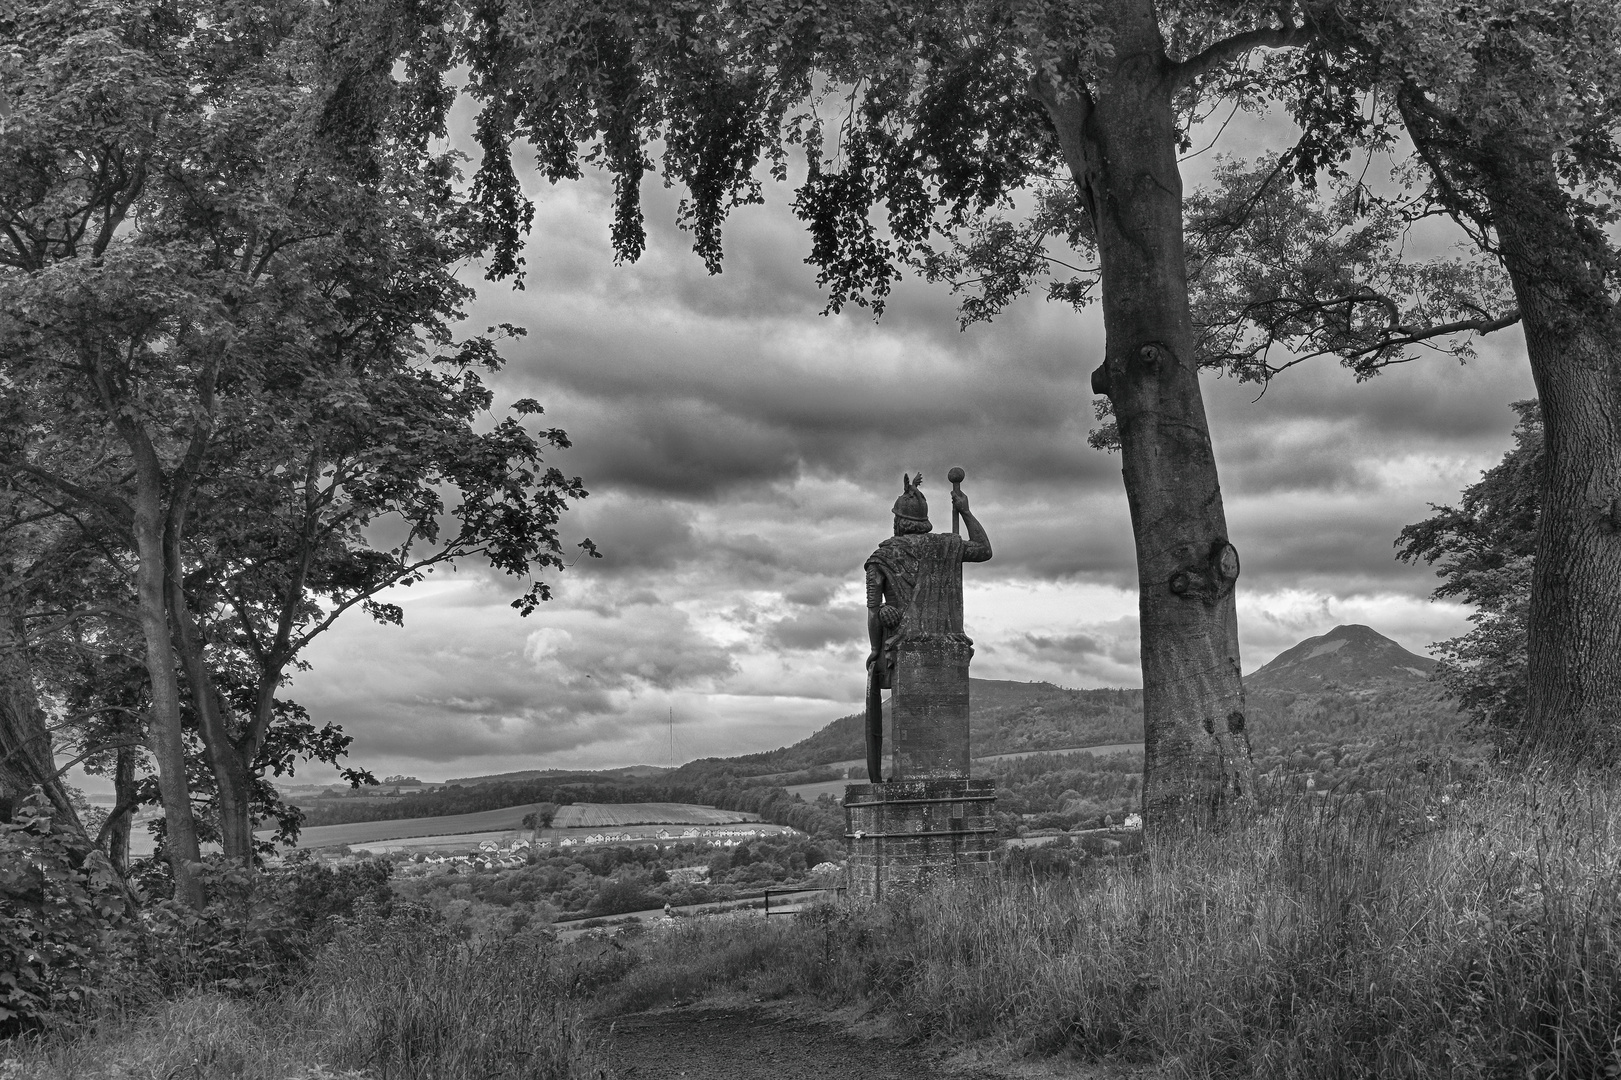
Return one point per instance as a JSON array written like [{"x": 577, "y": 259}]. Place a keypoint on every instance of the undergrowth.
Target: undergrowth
[
  {"x": 396, "y": 997},
  {"x": 1470, "y": 937}
]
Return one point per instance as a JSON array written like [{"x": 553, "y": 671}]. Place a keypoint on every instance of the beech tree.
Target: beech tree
[
  {"x": 1516, "y": 112},
  {"x": 915, "y": 122}
]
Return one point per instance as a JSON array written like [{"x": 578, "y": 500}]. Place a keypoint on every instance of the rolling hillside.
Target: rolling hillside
[{"x": 1005, "y": 717}]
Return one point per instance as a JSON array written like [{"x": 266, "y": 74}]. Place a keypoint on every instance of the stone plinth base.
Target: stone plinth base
[
  {"x": 909, "y": 833},
  {"x": 930, "y": 707}
]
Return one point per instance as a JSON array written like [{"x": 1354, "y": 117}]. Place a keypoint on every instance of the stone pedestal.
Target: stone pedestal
[
  {"x": 909, "y": 833},
  {"x": 929, "y": 708}
]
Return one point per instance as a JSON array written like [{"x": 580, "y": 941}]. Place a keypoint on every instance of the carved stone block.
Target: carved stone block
[
  {"x": 908, "y": 834},
  {"x": 930, "y": 707}
]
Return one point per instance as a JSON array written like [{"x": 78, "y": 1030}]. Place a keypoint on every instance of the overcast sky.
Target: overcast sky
[{"x": 742, "y": 451}]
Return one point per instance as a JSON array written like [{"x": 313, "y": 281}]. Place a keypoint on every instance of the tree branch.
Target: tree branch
[
  {"x": 115, "y": 509},
  {"x": 1231, "y": 48}
]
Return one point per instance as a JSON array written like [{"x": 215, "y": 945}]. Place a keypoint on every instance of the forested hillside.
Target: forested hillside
[{"x": 1005, "y": 716}]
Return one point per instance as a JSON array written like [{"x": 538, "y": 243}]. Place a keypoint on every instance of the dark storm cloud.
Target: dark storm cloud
[
  {"x": 1073, "y": 652},
  {"x": 1316, "y": 429},
  {"x": 634, "y": 535},
  {"x": 811, "y": 593},
  {"x": 652, "y": 646},
  {"x": 817, "y": 628},
  {"x": 1067, "y": 648}
]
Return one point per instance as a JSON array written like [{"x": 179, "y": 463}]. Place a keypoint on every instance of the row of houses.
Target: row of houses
[{"x": 493, "y": 854}]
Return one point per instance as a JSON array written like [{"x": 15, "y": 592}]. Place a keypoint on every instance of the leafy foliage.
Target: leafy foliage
[
  {"x": 1277, "y": 266},
  {"x": 62, "y": 909},
  {"x": 1483, "y": 550},
  {"x": 228, "y": 307}
]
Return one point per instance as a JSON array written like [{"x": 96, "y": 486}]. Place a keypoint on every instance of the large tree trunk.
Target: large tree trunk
[
  {"x": 1573, "y": 338},
  {"x": 1119, "y": 140},
  {"x": 232, "y": 775},
  {"x": 167, "y": 739}
]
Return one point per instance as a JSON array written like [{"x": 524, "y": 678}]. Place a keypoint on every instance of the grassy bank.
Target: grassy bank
[
  {"x": 395, "y": 998},
  {"x": 1416, "y": 937},
  {"x": 1425, "y": 934}
]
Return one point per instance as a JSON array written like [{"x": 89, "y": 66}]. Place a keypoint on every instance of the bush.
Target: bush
[
  {"x": 63, "y": 918},
  {"x": 619, "y": 895},
  {"x": 311, "y": 894},
  {"x": 258, "y": 929}
]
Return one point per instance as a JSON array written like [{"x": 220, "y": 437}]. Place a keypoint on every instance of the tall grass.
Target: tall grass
[
  {"x": 1467, "y": 938},
  {"x": 388, "y": 999},
  {"x": 409, "y": 1000}
]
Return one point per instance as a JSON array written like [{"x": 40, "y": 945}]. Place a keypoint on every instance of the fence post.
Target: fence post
[{"x": 768, "y": 903}]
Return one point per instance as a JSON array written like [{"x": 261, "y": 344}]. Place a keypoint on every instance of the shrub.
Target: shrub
[
  {"x": 311, "y": 894},
  {"x": 63, "y": 914},
  {"x": 619, "y": 895},
  {"x": 257, "y": 930}
]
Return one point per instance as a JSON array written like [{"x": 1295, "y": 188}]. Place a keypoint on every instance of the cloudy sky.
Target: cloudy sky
[{"x": 742, "y": 451}]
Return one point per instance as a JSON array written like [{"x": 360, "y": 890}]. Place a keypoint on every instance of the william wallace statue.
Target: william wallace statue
[{"x": 919, "y": 650}]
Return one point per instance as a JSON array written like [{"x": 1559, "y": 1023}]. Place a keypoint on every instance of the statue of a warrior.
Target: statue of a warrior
[{"x": 914, "y": 599}]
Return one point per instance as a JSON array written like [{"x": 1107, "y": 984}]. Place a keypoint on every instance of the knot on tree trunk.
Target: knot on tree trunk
[
  {"x": 1206, "y": 575},
  {"x": 1147, "y": 361}
]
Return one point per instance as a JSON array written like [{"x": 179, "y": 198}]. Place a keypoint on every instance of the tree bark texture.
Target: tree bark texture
[
  {"x": 232, "y": 777},
  {"x": 27, "y": 759},
  {"x": 114, "y": 838},
  {"x": 1119, "y": 139},
  {"x": 1573, "y": 339},
  {"x": 167, "y": 741}
]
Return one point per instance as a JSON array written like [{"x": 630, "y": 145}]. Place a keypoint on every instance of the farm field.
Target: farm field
[
  {"x": 493, "y": 824},
  {"x": 812, "y": 792},
  {"x": 598, "y": 815}
]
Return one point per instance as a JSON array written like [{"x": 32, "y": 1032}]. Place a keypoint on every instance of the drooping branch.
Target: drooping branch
[
  {"x": 1231, "y": 48},
  {"x": 1399, "y": 337}
]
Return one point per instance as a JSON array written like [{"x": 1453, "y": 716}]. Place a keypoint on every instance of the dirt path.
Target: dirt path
[{"x": 753, "y": 1042}]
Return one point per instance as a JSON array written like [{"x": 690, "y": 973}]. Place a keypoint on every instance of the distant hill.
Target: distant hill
[
  {"x": 1347, "y": 657},
  {"x": 1003, "y": 717},
  {"x": 627, "y": 772}
]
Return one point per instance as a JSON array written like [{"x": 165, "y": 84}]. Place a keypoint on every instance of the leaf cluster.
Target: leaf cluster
[
  {"x": 61, "y": 906},
  {"x": 1482, "y": 549}
]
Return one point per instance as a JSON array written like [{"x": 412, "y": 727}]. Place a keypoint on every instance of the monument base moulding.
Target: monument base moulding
[{"x": 908, "y": 834}]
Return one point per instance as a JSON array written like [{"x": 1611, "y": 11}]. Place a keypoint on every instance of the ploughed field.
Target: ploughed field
[{"x": 597, "y": 815}]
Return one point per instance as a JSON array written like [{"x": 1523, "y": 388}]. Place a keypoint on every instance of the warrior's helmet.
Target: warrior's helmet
[{"x": 912, "y": 506}]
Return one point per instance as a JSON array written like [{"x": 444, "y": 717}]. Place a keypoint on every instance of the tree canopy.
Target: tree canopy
[{"x": 228, "y": 312}]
